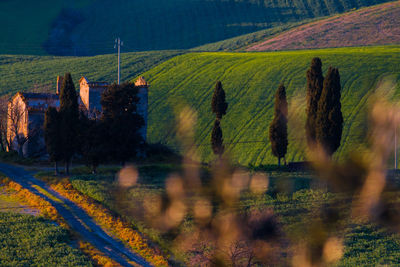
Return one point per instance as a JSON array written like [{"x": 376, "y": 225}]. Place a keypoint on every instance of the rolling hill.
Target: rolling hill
[
  {"x": 89, "y": 27},
  {"x": 250, "y": 81},
  {"x": 240, "y": 43},
  {"x": 38, "y": 73},
  {"x": 377, "y": 25}
]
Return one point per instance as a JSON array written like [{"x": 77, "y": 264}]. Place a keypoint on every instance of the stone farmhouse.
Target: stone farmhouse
[{"x": 26, "y": 113}]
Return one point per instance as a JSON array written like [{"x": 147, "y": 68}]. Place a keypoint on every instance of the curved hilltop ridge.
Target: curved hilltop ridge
[
  {"x": 250, "y": 81},
  {"x": 74, "y": 28},
  {"x": 378, "y": 25}
]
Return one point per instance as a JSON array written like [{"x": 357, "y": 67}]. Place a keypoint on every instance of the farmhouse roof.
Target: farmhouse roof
[
  {"x": 141, "y": 82},
  {"x": 38, "y": 101},
  {"x": 94, "y": 84}
]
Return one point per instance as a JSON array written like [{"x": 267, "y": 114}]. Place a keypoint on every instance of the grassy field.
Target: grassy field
[
  {"x": 250, "y": 81},
  {"x": 28, "y": 240},
  {"x": 73, "y": 27},
  {"x": 366, "y": 244},
  {"x": 377, "y": 25},
  {"x": 39, "y": 73}
]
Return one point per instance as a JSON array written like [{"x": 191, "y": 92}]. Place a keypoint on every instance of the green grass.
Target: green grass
[
  {"x": 250, "y": 81},
  {"x": 26, "y": 240},
  {"x": 39, "y": 73},
  {"x": 12, "y": 157},
  {"x": 93, "y": 25}
]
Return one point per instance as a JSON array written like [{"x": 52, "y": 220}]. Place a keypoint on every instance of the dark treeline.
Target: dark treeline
[{"x": 114, "y": 137}]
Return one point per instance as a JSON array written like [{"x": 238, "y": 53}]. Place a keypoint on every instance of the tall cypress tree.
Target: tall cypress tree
[
  {"x": 69, "y": 120},
  {"x": 315, "y": 81},
  {"x": 218, "y": 104},
  {"x": 278, "y": 128},
  {"x": 52, "y": 136},
  {"x": 216, "y": 139},
  {"x": 219, "y": 107},
  {"x": 330, "y": 120}
]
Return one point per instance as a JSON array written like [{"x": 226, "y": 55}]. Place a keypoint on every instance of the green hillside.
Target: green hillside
[
  {"x": 241, "y": 42},
  {"x": 64, "y": 27},
  {"x": 373, "y": 25},
  {"x": 250, "y": 80},
  {"x": 376, "y": 25},
  {"x": 38, "y": 73}
]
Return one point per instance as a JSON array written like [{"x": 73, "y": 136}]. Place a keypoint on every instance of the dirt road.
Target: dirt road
[{"x": 77, "y": 218}]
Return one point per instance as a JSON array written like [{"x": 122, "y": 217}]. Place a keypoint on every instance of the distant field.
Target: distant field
[
  {"x": 26, "y": 24},
  {"x": 377, "y": 25},
  {"x": 26, "y": 240},
  {"x": 89, "y": 27},
  {"x": 243, "y": 41},
  {"x": 250, "y": 81},
  {"x": 38, "y": 73}
]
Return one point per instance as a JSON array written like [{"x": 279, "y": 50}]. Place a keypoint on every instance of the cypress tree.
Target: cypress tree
[
  {"x": 52, "y": 136},
  {"x": 218, "y": 104},
  {"x": 315, "y": 82},
  {"x": 278, "y": 128},
  {"x": 216, "y": 139},
  {"x": 219, "y": 107},
  {"x": 69, "y": 120},
  {"x": 330, "y": 119}
]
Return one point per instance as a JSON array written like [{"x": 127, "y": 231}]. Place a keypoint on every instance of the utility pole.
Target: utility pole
[
  {"x": 395, "y": 146},
  {"x": 118, "y": 44}
]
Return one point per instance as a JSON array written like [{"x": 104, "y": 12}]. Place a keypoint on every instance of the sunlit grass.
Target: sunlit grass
[{"x": 250, "y": 81}]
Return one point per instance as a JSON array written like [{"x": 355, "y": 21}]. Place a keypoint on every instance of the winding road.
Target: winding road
[{"x": 77, "y": 218}]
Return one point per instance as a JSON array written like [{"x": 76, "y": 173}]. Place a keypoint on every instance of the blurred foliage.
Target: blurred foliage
[{"x": 294, "y": 196}]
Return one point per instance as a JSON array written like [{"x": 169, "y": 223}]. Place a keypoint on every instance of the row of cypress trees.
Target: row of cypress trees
[
  {"x": 324, "y": 123},
  {"x": 113, "y": 137},
  {"x": 218, "y": 107}
]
